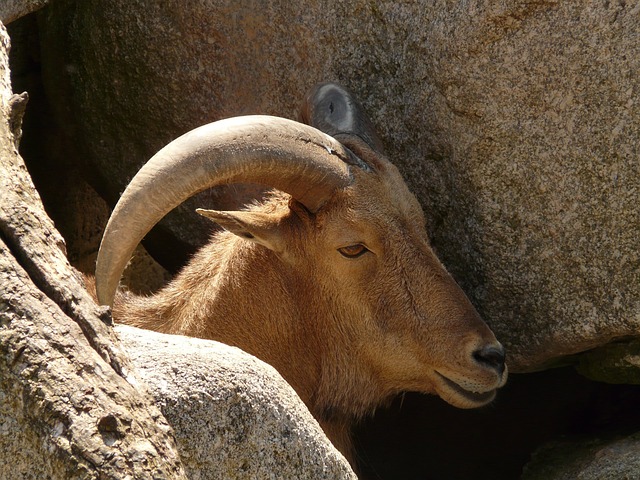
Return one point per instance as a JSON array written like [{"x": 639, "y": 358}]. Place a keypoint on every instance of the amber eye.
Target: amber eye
[{"x": 353, "y": 251}]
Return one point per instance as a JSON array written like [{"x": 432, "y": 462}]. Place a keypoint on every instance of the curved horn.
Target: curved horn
[{"x": 271, "y": 151}]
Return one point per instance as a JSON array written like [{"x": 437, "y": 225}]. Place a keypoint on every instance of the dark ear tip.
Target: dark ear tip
[
  {"x": 319, "y": 103},
  {"x": 333, "y": 109}
]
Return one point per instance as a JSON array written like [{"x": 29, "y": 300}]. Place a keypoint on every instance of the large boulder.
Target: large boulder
[
  {"x": 516, "y": 124},
  {"x": 233, "y": 415},
  {"x": 67, "y": 409}
]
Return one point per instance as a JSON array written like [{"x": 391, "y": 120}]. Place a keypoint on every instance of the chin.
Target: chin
[{"x": 460, "y": 397}]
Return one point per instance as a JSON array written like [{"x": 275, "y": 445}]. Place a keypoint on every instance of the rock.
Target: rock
[
  {"x": 233, "y": 416},
  {"x": 515, "y": 123},
  {"x": 592, "y": 459},
  {"x": 66, "y": 409},
  {"x": 11, "y": 10}
]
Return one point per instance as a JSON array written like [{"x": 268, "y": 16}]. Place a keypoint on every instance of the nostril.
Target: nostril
[{"x": 491, "y": 356}]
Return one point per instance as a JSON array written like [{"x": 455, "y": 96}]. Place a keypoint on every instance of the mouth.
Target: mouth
[{"x": 460, "y": 397}]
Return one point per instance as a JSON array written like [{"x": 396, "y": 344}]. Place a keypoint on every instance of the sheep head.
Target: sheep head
[{"x": 348, "y": 227}]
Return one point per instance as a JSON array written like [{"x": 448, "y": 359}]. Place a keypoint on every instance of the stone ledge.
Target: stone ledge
[{"x": 233, "y": 415}]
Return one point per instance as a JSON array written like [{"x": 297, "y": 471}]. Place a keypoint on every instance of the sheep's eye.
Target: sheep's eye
[{"x": 353, "y": 251}]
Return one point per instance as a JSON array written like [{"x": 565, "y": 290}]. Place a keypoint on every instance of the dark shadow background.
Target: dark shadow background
[{"x": 422, "y": 438}]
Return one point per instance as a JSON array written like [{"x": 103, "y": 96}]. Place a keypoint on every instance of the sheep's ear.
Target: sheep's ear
[{"x": 258, "y": 227}]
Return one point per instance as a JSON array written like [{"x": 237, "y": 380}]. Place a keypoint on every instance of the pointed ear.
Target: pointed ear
[{"x": 259, "y": 227}]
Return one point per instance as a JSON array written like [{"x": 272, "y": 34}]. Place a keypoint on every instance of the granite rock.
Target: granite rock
[
  {"x": 233, "y": 416},
  {"x": 515, "y": 123}
]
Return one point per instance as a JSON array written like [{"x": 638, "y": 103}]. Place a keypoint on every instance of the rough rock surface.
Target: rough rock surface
[
  {"x": 233, "y": 415},
  {"x": 66, "y": 409},
  {"x": 592, "y": 459},
  {"x": 516, "y": 124},
  {"x": 11, "y": 10}
]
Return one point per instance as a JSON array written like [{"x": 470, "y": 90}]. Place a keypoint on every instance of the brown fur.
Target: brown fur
[{"x": 347, "y": 334}]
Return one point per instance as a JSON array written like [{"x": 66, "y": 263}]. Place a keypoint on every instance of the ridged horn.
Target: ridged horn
[{"x": 279, "y": 153}]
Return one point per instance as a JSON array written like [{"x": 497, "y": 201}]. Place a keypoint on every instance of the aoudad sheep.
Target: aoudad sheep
[{"x": 331, "y": 279}]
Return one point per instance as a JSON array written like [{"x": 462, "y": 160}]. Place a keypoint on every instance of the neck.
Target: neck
[
  {"x": 276, "y": 316},
  {"x": 219, "y": 296}
]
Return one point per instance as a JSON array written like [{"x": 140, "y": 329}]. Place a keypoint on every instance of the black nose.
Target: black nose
[{"x": 491, "y": 356}]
